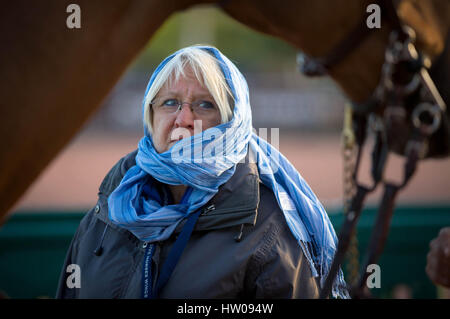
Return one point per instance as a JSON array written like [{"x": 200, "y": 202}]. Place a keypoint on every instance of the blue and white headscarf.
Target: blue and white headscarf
[{"x": 133, "y": 205}]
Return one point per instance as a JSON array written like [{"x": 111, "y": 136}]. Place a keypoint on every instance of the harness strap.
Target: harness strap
[
  {"x": 388, "y": 6},
  {"x": 345, "y": 236},
  {"x": 320, "y": 66},
  {"x": 385, "y": 212},
  {"x": 348, "y": 228},
  {"x": 379, "y": 235}
]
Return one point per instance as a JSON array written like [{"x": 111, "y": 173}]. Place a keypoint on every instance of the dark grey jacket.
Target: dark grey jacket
[{"x": 266, "y": 263}]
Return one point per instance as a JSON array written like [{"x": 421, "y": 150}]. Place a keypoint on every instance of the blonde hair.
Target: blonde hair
[{"x": 206, "y": 69}]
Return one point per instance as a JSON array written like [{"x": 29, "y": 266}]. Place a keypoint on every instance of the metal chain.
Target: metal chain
[{"x": 349, "y": 188}]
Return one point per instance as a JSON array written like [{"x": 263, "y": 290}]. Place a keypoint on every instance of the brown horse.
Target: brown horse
[{"x": 54, "y": 78}]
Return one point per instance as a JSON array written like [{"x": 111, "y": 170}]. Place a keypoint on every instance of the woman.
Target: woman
[{"x": 203, "y": 208}]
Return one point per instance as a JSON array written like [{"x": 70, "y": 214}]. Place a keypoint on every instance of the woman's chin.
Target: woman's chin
[{"x": 169, "y": 145}]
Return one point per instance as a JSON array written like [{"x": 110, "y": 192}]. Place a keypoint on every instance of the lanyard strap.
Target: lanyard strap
[
  {"x": 147, "y": 272},
  {"x": 170, "y": 262}
]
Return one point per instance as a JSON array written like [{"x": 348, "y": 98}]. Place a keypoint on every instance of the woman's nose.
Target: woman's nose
[{"x": 185, "y": 117}]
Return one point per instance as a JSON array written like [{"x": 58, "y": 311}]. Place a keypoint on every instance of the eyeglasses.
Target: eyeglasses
[{"x": 170, "y": 106}]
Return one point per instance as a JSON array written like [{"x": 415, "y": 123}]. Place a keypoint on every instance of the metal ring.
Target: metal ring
[{"x": 435, "y": 113}]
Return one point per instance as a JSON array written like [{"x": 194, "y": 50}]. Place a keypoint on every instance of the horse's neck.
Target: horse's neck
[
  {"x": 315, "y": 27},
  {"x": 359, "y": 74},
  {"x": 55, "y": 76}
]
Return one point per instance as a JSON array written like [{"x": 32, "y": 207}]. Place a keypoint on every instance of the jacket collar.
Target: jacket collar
[
  {"x": 235, "y": 203},
  {"x": 237, "y": 200}
]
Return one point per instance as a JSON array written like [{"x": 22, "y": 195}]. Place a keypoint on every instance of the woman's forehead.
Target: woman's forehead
[{"x": 187, "y": 83}]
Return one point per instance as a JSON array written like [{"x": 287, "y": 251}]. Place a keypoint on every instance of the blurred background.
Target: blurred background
[{"x": 308, "y": 114}]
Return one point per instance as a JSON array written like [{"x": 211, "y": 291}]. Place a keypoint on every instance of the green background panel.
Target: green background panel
[{"x": 33, "y": 247}]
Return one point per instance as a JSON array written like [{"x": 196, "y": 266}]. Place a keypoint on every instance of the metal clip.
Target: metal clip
[
  {"x": 310, "y": 66},
  {"x": 208, "y": 209}
]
